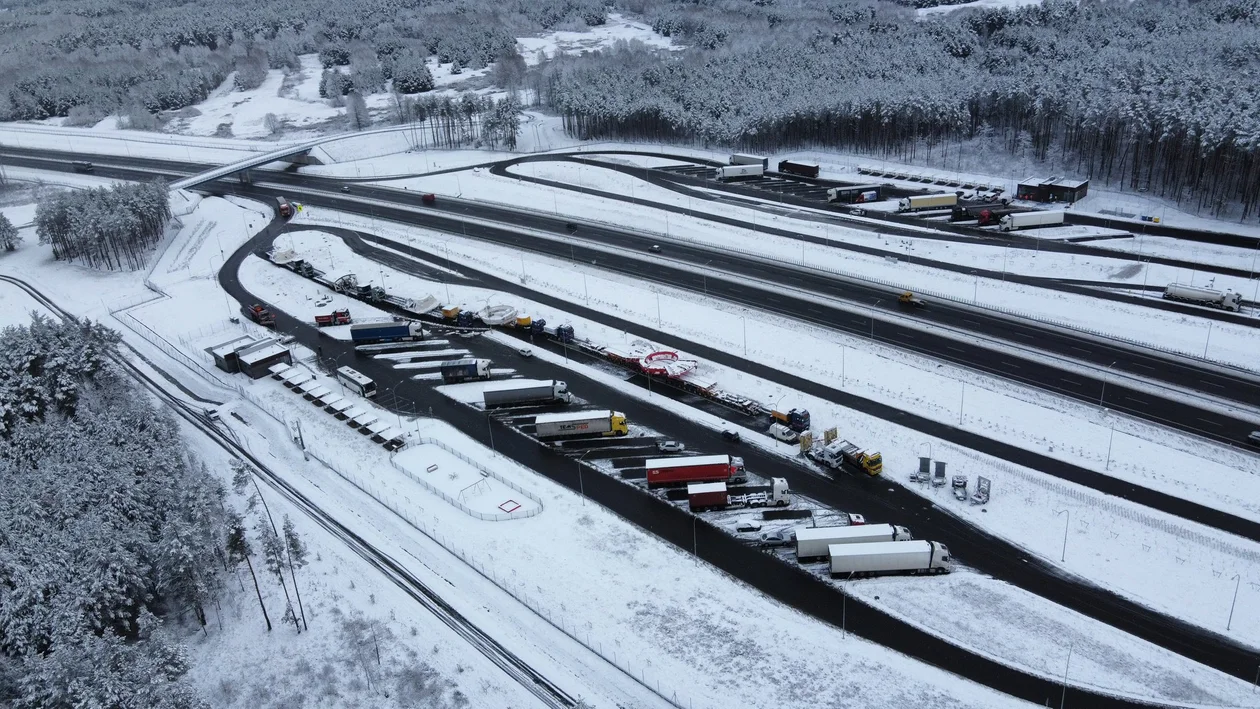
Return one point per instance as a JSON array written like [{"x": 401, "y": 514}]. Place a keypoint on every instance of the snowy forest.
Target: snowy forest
[
  {"x": 105, "y": 528},
  {"x": 105, "y": 227},
  {"x": 1153, "y": 95},
  {"x": 110, "y": 532}
]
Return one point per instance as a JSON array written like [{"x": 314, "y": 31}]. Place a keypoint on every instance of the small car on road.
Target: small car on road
[{"x": 670, "y": 447}]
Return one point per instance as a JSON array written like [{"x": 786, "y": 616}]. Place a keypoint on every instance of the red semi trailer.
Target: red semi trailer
[{"x": 694, "y": 469}]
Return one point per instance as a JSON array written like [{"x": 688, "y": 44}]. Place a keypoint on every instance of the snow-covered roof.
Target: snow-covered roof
[
  {"x": 261, "y": 354},
  {"x": 377, "y": 427},
  {"x": 366, "y": 419},
  {"x": 1071, "y": 184},
  {"x": 1034, "y": 181},
  {"x": 279, "y": 369},
  {"x": 319, "y": 391},
  {"x": 339, "y": 405},
  {"x": 231, "y": 346}
]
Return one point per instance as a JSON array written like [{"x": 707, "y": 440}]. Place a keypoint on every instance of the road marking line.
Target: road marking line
[
  {"x": 1219, "y": 386},
  {"x": 1080, "y": 349},
  {"x": 951, "y": 347},
  {"x": 1211, "y": 422},
  {"x": 1073, "y": 382}
]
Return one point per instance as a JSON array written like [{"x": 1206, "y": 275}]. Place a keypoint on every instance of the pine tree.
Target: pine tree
[
  {"x": 239, "y": 549},
  {"x": 9, "y": 238},
  {"x": 273, "y": 555},
  {"x": 296, "y": 551}
]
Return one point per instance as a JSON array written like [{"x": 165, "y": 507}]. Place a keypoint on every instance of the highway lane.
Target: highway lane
[{"x": 760, "y": 570}]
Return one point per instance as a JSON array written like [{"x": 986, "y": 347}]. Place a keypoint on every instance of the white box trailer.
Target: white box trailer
[
  {"x": 914, "y": 557},
  {"x": 749, "y": 159},
  {"x": 1023, "y": 220},
  {"x": 927, "y": 201},
  {"x": 813, "y": 542},
  {"x": 526, "y": 391},
  {"x": 731, "y": 172}
]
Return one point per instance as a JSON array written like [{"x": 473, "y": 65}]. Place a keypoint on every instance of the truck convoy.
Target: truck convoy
[
  {"x": 259, "y": 314},
  {"x": 580, "y": 423},
  {"x": 927, "y": 201},
  {"x": 1204, "y": 296},
  {"x": 694, "y": 469},
  {"x": 835, "y": 454},
  {"x": 716, "y": 496},
  {"x": 527, "y": 391},
  {"x": 364, "y": 333},
  {"x": 912, "y": 557},
  {"x": 465, "y": 370},
  {"x": 1024, "y": 220},
  {"x": 731, "y": 172},
  {"x": 746, "y": 159},
  {"x": 804, "y": 169},
  {"x": 336, "y": 317},
  {"x": 812, "y": 542}
]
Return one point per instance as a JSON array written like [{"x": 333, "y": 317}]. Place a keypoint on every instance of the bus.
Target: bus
[{"x": 356, "y": 381}]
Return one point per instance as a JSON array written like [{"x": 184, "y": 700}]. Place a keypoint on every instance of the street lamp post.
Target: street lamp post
[
  {"x": 1104, "y": 384},
  {"x": 581, "y": 485},
  {"x": 704, "y": 277},
  {"x": 873, "y": 319},
  {"x": 1066, "y": 523},
  {"x": 1237, "y": 583},
  {"x": 1066, "y": 668},
  {"x": 844, "y": 607},
  {"x": 1110, "y": 439}
]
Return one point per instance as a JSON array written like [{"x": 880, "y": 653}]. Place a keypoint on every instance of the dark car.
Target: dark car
[
  {"x": 732, "y": 436},
  {"x": 1254, "y": 438},
  {"x": 655, "y": 248}
]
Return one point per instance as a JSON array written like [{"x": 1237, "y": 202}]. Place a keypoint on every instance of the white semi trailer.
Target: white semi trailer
[
  {"x": 1228, "y": 300},
  {"x": 731, "y": 172},
  {"x": 1023, "y": 220},
  {"x": 813, "y": 542},
  {"x": 927, "y": 201},
  {"x": 527, "y": 391},
  {"x": 913, "y": 557}
]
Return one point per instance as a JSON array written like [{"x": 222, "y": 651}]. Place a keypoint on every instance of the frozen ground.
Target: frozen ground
[
  {"x": 1130, "y": 549},
  {"x": 616, "y": 28}
]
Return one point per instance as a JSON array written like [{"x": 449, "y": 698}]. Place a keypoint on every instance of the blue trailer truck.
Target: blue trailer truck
[
  {"x": 386, "y": 332},
  {"x": 464, "y": 370}
]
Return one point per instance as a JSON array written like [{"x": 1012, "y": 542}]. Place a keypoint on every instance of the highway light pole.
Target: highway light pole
[
  {"x": 844, "y": 607},
  {"x": 962, "y": 400},
  {"x": 1209, "y": 338},
  {"x": 1066, "y": 668},
  {"x": 1066, "y": 523},
  {"x": 1237, "y": 583},
  {"x": 581, "y": 486},
  {"x": 704, "y": 277},
  {"x": 873, "y": 319},
  {"x": 1103, "y": 395},
  {"x": 1110, "y": 440}
]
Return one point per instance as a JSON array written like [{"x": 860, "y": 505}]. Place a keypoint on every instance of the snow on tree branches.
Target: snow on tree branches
[{"x": 112, "y": 228}]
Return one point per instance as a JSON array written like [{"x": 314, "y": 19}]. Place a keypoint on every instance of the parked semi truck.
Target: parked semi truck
[
  {"x": 993, "y": 216},
  {"x": 465, "y": 370},
  {"x": 716, "y": 496},
  {"x": 581, "y": 423},
  {"x": 913, "y": 557},
  {"x": 527, "y": 391},
  {"x": 1024, "y": 220},
  {"x": 795, "y": 419},
  {"x": 1204, "y": 296},
  {"x": 803, "y": 169},
  {"x": 812, "y": 542},
  {"x": 336, "y": 317},
  {"x": 927, "y": 201},
  {"x": 835, "y": 454},
  {"x": 695, "y": 469},
  {"x": 259, "y": 314},
  {"x": 364, "y": 333},
  {"x": 732, "y": 172},
  {"x": 746, "y": 159},
  {"x": 966, "y": 212},
  {"x": 854, "y": 194}
]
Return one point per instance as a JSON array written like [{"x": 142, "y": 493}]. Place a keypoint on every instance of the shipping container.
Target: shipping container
[
  {"x": 746, "y": 159},
  {"x": 812, "y": 542},
  {"x": 1023, "y": 220},
  {"x": 804, "y": 169}
]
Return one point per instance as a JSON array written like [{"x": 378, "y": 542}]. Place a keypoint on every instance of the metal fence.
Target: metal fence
[{"x": 494, "y": 517}]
